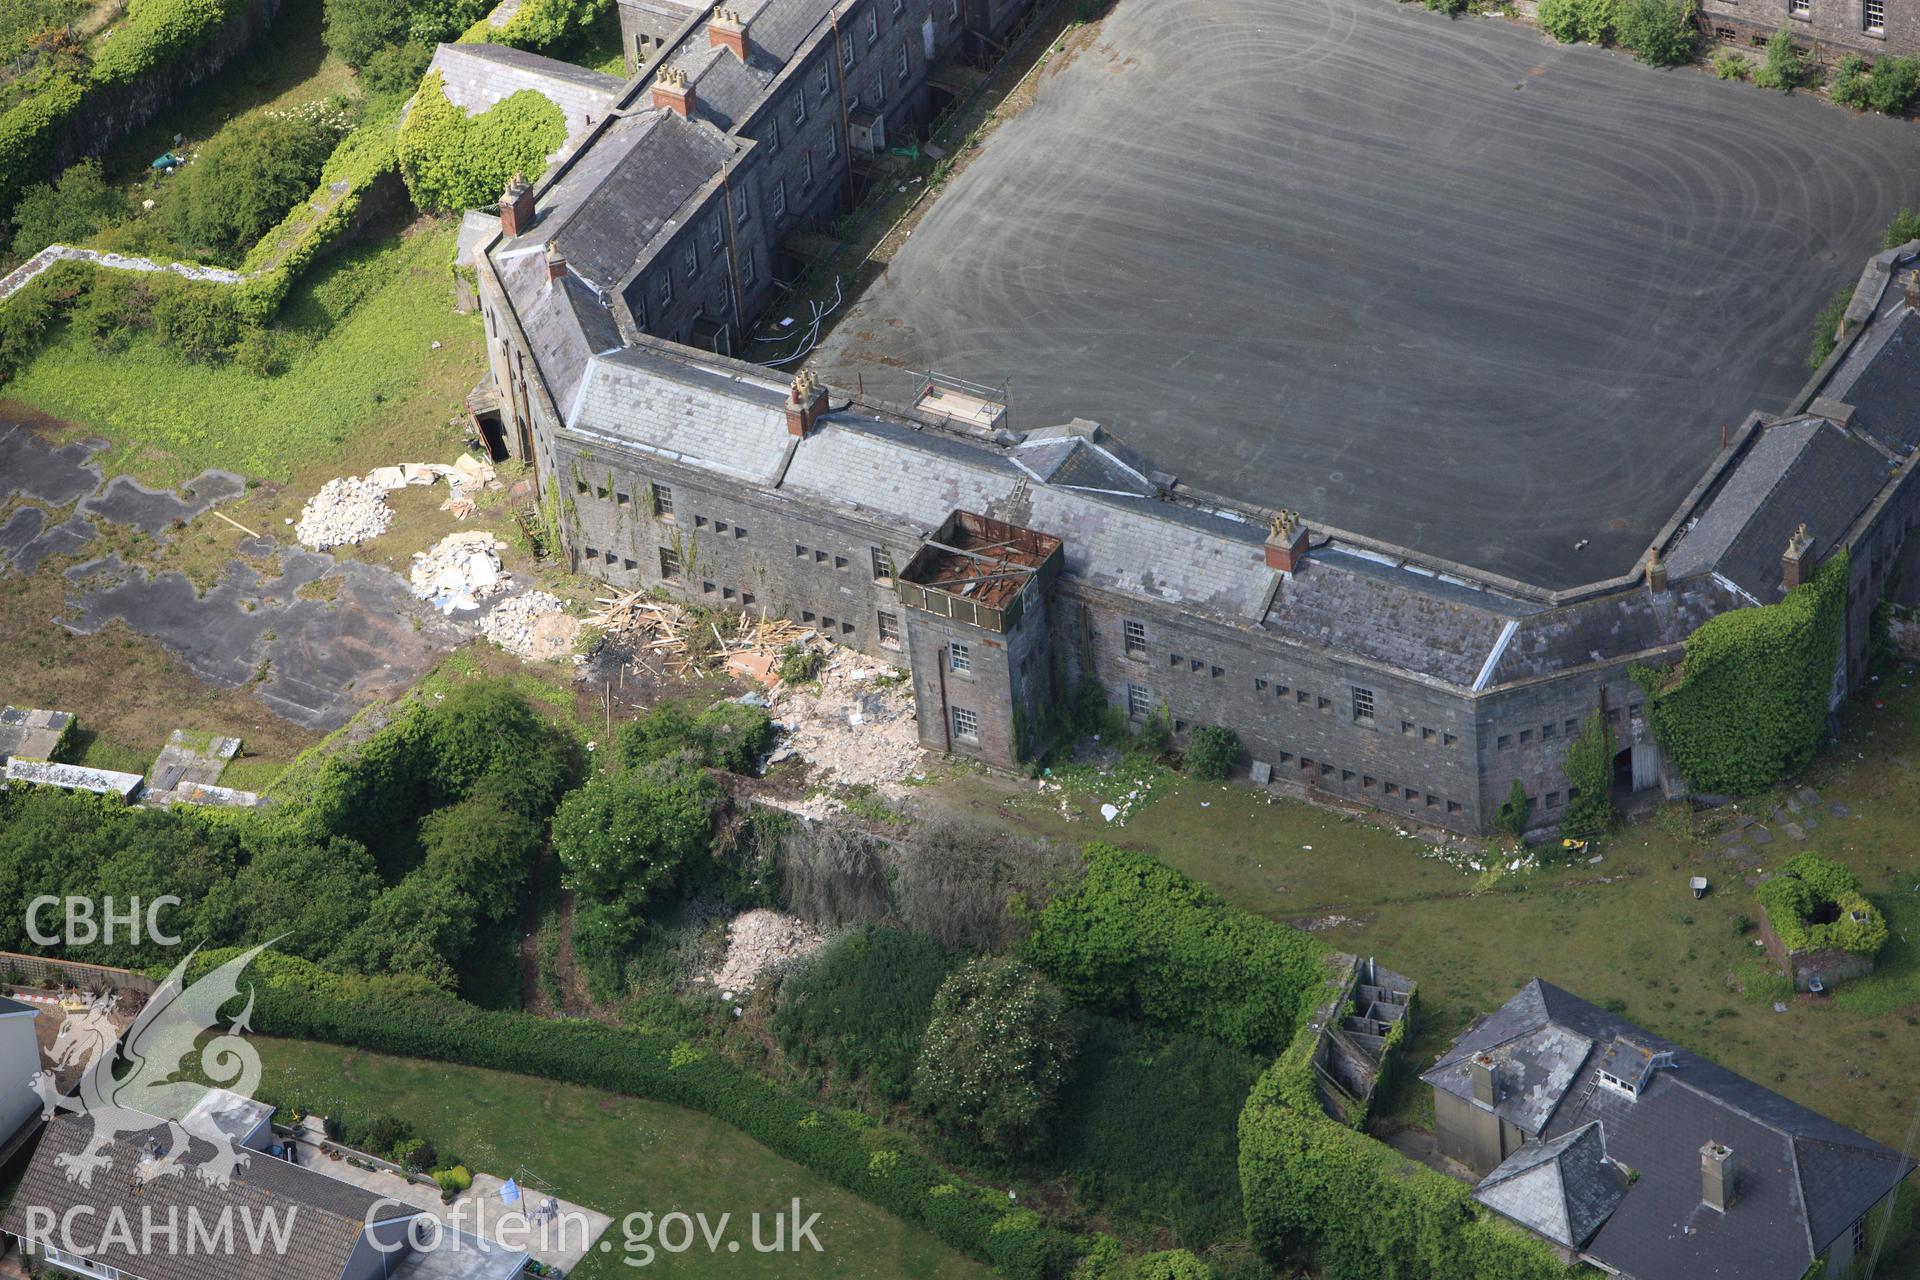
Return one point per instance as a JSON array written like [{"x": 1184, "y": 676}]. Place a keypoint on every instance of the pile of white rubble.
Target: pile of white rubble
[
  {"x": 460, "y": 571},
  {"x": 533, "y": 625},
  {"x": 348, "y": 510}
]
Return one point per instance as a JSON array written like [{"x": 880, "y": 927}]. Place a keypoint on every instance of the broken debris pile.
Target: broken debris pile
[
  {"x": 532, "y": 625},
  {"x": 460, "y": 571},
  {"x": 685, "y": 643},
  {"x": 351, "y": 509},
  {"x": 466, "y": 477},
  {"x": 758, "y": 941},
  {"x": 854, "y": 722}
]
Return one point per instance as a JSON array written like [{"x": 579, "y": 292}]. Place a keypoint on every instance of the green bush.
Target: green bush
[
  {"x": 798, "y": 664},
  {"x": 1814, "y": 904},
  {"x": 858, "y": 1008},
  {"x": 994, "y": 1058},
  {"x": 541, "y": 24},
  {"x": 1660, "y": 32},
  {"x": 454, "y": 1180},
  {"x": 1569, "y": 21},
  {"x": 1138, "y": 939},
  {"x": 452, "y": 161},
  {"x": 1514, "y": 811},
  {"x": 734, "y": 736},
  {"x": 77, "y": 205},
  {"x": 1211, "y": 753},
  {"x": 1154, "y": 741},
  {"x": 1826, "y": 327},
  {"x": 406, "y": 1017},
  {"x": 623, "y": 837},
  {"x": 1747, "y": 706},
  {"x": 1848, "y": 84},
  {"x": 1729, "y": 65},
  {"x": 1893, "y": 84},
  {"x": 1904, "y": 228},
  {"x": 245, "y": 180},
  {"x": 1783, "y": 69},
  {"x": 1588, "y": 765},
  {"x": 1165, "y": 1166}
]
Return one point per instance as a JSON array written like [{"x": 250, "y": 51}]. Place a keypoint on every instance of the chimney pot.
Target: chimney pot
[
  {"x": 1797, "y": 559},
  {"x": 1717, "y": 1189},
  {"x": 556, "y": 264},
  {"x": 806, "y": 403},
  {"x": 726, "y": 31},
  {"x": 672, "y": 92},
  {"x": 516, "y": 207},
  {"x": 1286, "y": 546}
]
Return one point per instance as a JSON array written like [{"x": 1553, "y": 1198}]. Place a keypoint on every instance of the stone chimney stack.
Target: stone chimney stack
[
  {"x": 516, "y": 207},
  {"x": 1913, "y": 289},
  {"x": 806, "y": 403},
  {"x": 672, "y": 92},
  {"x": 1286, "y": 545},
  {"x": 1486, "y": 1088},
  {"x": 1796, "y": 562},
  {"x": 1656, "y": 573},
  {"x": 556, "y": 264},
  {"x": 1717, "y": 1189},
  {"x": 726, "y": 30}
]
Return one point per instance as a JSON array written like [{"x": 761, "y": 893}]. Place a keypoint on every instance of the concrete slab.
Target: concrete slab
[
  {"x": 1402, "y": 273},
  {"x": 31, "y": 733},
  {"x": 1760, "y": 835},
  {"x": 1794, "y": 831},
  {"x": 188, "y": 764},
  {"x": 68, "y": 538},
  {"x": 21, "y": 528},
  {"x": 34, "y": 468},
  {"x": 127, "y": 501},
  {"x": 1839, "y": 810},
  {"x": 1807, "y": 795}
]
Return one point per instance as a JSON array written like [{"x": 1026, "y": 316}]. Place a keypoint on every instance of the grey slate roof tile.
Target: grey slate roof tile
[
  {"x": 479, "y": 76},
  {"x": 1630, "y": 621},
  {"x": 1563, "y": 1188},
  {"x": 699, "y": 416},
  {"x": 1878, "y": 379}
]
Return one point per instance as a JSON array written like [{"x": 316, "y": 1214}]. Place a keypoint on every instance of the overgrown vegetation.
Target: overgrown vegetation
[
  {"x": 1783, "y": 69},
  {"x": 857, "y": 1010},
  {"x": 1748, "y": 704},
  {"x": 243, "y": 182},
  {"x": 1211, "y": 753},
  {"x": 67, "y": 210},
  {"x": 1660, "y": 32},
  {"x": 452, "y": 161},
  {"x": 1890, "y": 85},
  {"x": 1589, "y": 768},
  {"x": 1815, "y": 904}
]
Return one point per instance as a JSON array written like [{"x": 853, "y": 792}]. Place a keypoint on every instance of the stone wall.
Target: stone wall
[
  {"x": 1831, "y": 966},
  {"x": 1828, "y": 30}
]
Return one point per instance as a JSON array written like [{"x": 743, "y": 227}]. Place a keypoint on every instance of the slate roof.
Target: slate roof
[
  {"x": 564, "y": 321},
  {"x": 1608, "y": 627},
  {"x": 700, "y": 416},
  {"x": 1879, "y": 376},
  {"x": 1805, "y": 470},
  {"x": 1801, "y": 1179},
  {"x": 725, "y": 89},
  {"x": 777, "y": 28},
  {"x": 1563, "y": 1188},
  {"x": 622, "y": 191},
  {"x": 478, "y": 76},
  {"x": 1079, "y": 463},
  {"x": 327, "y": 1218}
]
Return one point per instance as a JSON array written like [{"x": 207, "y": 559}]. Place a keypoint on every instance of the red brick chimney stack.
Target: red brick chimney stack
[
  {"x": 806, "y": 403},
  {"x": 1797, "y": 560},
  {"x": 556, "y": 263},
  {"x": 516, "y": 207},
  {"x": 672, "y": 92},
  {"x": 725, "y": 30},
  {"x": 1286, "y": 545}
]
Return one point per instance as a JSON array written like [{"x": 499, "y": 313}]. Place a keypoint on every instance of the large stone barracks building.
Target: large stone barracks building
[{"x": 1006, "y": 567}]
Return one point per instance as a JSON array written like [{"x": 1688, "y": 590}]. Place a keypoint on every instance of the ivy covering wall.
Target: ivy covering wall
[
  {"x": 1815, "y": 904},
  {"x": 540, "y": 24},
  {"x": 1748, "y": 704},
  {"x": 452, "y": 161}
]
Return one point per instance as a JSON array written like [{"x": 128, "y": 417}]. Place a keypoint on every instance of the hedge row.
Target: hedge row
[
  {"x": 1805, "y": 885},
  {"x": 155, "y": 34},
  {"x": 1138, "y": 939},
  {"x": 411, "y": 1018},
  {"x": 1748, "y": 705},
  {"x": 1354, "y": 1207}
]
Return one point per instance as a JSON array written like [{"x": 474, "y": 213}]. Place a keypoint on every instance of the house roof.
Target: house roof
[
  {"x": 323, "y": 1217},
  {"x": 1801, "y": 1178},
  {"x": 479, "y": 76},
  {"x": 1563, "y": 1188},
  {"x": 1879, "y": 375},
  {"x": 706, "y": 417}
]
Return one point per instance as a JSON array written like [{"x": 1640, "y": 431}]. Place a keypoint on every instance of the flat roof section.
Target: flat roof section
[{"x": 1442, "y": 283}]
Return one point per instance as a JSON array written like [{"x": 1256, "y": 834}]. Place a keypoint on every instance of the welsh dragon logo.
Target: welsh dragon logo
[{"x": 163, "y": 1037}]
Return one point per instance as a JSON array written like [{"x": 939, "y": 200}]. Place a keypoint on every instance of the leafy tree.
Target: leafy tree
[
  {"x": 355, "y": 30},
  {"x": 1660, "y": 32},
  {"x": 1848, "y": 84},
  {"x": 196, "y": 320},
  {"x": 1783, "y": 69},
  {"x": 1589, "y": 770},
  {"x": 483, "y": 850},
  {"x": 482, "y": 736},
  {"x": 1514, "y": 811},
  {"x": 1212, "y": 752},
  {"x": 1569, "y": 21},
  {"x": 1893, "y": 84},
  {"x": 452, "y": 161},
  {"x": 314, "y": 894},
  {"x": 995, "y": 1057},
  {"x": 397, "y": 68},
  {"x": 734, "y": 735},
  {"x": 622, "y": 837},
  {"x": 67, "y": 211},
  {"x": 244, "y": 181},
  {"x": 420, "y": 926}
]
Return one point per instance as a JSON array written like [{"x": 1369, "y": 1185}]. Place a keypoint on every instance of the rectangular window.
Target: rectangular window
[
  {"x": 846, "y": 53},
  {"x": 1324, "y": 704},
  {"x": 901, "y": 67},
  {"x": 880, "y": 89},
  {"x": 1505, "y": 742},
  {"x": 622, "y": 499},
  {"x": 889, "y": 629},
  {"x": 719, "y": 526},
  {"x": 898, "y": 5},
  {"x": 1553, "y": 799},
  {"x": 746, "y": 597},
  {"x": 959, "y": 658},
  {"x": 779, "y": 199},
  {"x": 717, "y": 230},
  {"x": 699, "y": 521},
  {"x": 1572, "y": 727},
  {"x": 953, "y": 10},
  {"x": 1173, "y": 659},
  {"x": 773, "y": 130},
  {"x": 806, "y": 170},
  {"x": 1873, "y": 16},
  {"x": 1426, "y": 735},
  {"x": 593, "y": 553},
  {"x": 1546, "y": 731},
  {"x": 739, "y": 531},
  {"x": 693, "y": 261},
  {"x": 740, "y": 209},
  {"x": 746, "y": 267},
  {"x": 873, "y": 26},
  {"x": 1526, "y": 736},
  {"x": 882, "y": 566},
  {"x": 666, "y": 288},
  {"x": 1453, "y": 806},
  {"x": 1447, "y": 739},
  {"x": 669, "y": 563},
  {"x": 1139, "y": 700},
  {"x": 826, "y": 84},
  {"x": 1800, "y": 8},
  {"x": 800, "y": 103},
  {"x": 840, "y": 563},
  {"x": 833, "y": 141},
  {"x": 1301, "y": 695},
  {"x": 1406, "y": 727},
  {"x": 799, "y": 550},
  {"x": 819, "y": 556},
  {"x": 966, "y": 724},
  {"x": 1259, "y": 685},
  {"x": 1363, "y": 704},
  {"x": 663, "y": 502}
]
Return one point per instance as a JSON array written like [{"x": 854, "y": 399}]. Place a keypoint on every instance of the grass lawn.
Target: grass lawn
[
  {"x": 619, "y": 1155},
  {"x": 383, "y": 360},
  {"x": 22, "y": 20},
  {"x": 1626, "y": 929}
]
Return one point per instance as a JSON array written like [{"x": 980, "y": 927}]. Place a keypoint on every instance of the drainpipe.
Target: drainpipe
[
  {"x": 733, "y": 259},
  {"x": 846, "y": 125}
]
